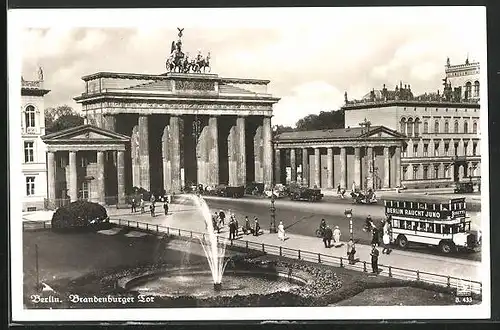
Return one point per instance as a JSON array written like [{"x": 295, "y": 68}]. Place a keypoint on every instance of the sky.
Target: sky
[{"x": 311, "y": 56}]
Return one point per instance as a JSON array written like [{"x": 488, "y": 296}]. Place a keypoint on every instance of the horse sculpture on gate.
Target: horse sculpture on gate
[
  {"x": 180, "y": 62},
  {"x": 202, "y": 63}
]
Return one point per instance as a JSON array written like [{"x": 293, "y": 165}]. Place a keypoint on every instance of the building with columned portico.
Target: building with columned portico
[{"x": 360, "y": 157}]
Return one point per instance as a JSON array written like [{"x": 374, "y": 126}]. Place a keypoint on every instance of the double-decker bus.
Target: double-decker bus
[{"x": 430, "y": 222}]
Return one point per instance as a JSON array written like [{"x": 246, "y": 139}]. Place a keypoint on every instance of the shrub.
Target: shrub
[{"x": 79, "y": 214}]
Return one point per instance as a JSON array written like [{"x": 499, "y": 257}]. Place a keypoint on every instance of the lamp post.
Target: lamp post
[
  {"x": 348, "y": 214},
  {"x": 272, "y": 227}
]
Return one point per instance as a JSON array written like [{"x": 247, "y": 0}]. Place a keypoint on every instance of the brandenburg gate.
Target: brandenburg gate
[{"x": 185, "y": 124}]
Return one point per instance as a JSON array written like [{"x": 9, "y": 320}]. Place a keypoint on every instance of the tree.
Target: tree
[
  {"x": 65, "y": 122},
  {"x": 278, "y": 129},
  {"x": 52, "y": 114},
  {"x": 325, "y": 120}
]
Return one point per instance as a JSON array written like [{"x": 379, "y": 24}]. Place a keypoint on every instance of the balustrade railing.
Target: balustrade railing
[{"x": 360, "y": 265}]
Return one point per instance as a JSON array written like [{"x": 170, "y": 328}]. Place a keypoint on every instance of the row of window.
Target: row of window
[
  {"x": 433, "y": 170},
  {"x": 468, "y": 89},
  {"x": 435, "y": 152},
  {"x": 411, "y": 128},
  {"x": 423, "y": 226},
  {"x": 30, "y": 187}
]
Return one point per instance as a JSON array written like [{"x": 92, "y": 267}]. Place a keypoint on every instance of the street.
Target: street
[{"x": 303, "y": 218}]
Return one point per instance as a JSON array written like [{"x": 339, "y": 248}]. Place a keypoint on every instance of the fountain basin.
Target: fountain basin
[{"x": 198, "y": 283}]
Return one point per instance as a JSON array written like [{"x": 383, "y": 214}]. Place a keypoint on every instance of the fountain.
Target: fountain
[{"x": 214, "y": 250}]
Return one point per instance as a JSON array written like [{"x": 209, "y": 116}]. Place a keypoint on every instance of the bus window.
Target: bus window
[
  {"x": 446, "y": 229},
  {"x": 396, "y": 224},
  {"x": 430, "y": 227},
  {"x": 439, "y": 229}
]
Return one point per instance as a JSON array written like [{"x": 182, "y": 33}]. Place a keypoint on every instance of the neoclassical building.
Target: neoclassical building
[
  {"x": 33, "y": 163},
  {"x": 443, "y": 128},
  {"x": 364, "y": 157}
]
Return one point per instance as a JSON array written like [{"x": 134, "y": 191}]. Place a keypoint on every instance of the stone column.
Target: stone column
[
  {"x": 259, "y": 175},
  {"x": 165, "y": 155},
  {"x": 101, "y": 191},
  {"x": 329, "y": 165},
  {"x": 387, "y": 167},
  {"x": 144, "y": 152},
  {"x": 397, "y": 154},
  {"x": 441, "y": 147},
  {"x": 213, "y": 151},
  {"x": 305, "y": 166},
  {"x": 317, "y": 168},
  {"x": 120, "y": 172},
  {"x": 293, "y": 166},
  {"x": 357, "y": 167},
  {"x": 232, "y": 156},
  {"x": 73, "y": 179},
  {"x": 175, "y": 154},
  {"x": 452, "y": 171},
  {"x": 51, "y": 176},
  {"x": 343, "y": 168},
  {"x": 267, "y": 152},
  {"x": 134, "y": 153},
  {"x": 371, "y": 168},
  {"x": 277, "y": 165},
  {"x": 241, "y": 152}
]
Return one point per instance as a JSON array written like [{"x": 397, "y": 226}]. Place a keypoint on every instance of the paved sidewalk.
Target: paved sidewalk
[{"x": 190, "y": 220}]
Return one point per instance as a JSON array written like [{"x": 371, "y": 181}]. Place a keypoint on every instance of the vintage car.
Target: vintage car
[
  {"x": 464, "y": 187},
  {"x": 279, "y": 191},
  {"x": 254, "y": 188},
  {"x": 298, "y": 192},
  {"x": 229, "y": 191}
]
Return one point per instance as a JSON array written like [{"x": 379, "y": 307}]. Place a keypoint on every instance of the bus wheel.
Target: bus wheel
[
  {"x": 446, "y": 247},
  {"x": 402, "y": 241}
]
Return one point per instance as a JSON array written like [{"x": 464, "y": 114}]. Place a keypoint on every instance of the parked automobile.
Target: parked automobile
[
  {"x": 279, "y": 191},
  {"x": 254, "y": 188},
  {"x": 229, "y": 191},
  {"x": 298, "y": 192},
  {"x": 464, "y": 187}
]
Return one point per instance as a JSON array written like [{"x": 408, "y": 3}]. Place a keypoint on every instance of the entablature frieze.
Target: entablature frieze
[
  {"x": 242, "y": 109},
  {"x": 85, "y": 147},
  {"x": 346, "y": 144}
]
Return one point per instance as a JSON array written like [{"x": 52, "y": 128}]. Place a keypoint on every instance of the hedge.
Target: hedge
[{"x": 79, "y": 215}]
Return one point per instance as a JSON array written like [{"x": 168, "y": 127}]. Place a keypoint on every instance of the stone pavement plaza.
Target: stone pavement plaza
[{"x": 188, "y": 218}]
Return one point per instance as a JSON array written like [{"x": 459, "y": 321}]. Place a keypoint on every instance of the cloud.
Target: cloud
[
  {"x": 308, "y": 98},
  {"x": 309, "y": 59}
]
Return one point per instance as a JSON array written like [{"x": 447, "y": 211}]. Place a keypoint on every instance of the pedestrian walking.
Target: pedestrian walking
[
  {"x": 351, "y": 251},
  {"x": 281, "y": 231},
  {"x": 232, "y": 230},
  {"x": 143, "y": 205},
  {"x": 133, "y": 206},
  {"x": 222, "y": 217},
  {"x": 256, "y": 228},
  {"x": 375, "y": 236},
  {"x": 152, "y": 209},
  {"x": 165, "y": 207},
  {"x": 336, "y": 236},
  {"x": 215, "y": 222},
  {"x": 248, "y": 228},
  {"x": 387, "y": 237},
  {"x": 353, "y": 187},
  {"x": 152, "y": 199},
  {"x": 327, "y": 236},
  {"x": 338, "y": 189},
  {"x": 374, "y": 255},
  {"x": 368, "y": 224}
]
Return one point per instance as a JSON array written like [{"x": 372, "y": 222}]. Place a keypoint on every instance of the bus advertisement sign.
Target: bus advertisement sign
[{"x": 429, "y": 214}]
